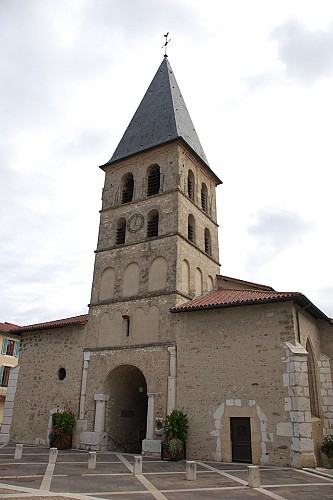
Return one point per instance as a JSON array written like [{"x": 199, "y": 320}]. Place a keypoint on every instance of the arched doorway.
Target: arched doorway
[{"x": 126, "y": 415}]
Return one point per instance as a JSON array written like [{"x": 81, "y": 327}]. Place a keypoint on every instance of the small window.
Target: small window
[
  {"x": 128, "y": 188},
  {"x": 208, "y": 244},
  {"x": 154, "y": 177},
  {"x": 152, "y": 224},
  {"x": 204, "y": 197},
  {"x": 4, "y": 376},
  {"x": 10, "y": 347},
  {"x": 191, "y": 228},
  {"x": 62, "y": 373},
  {"x": 190, "y": 185},
  {"x": 121, "y": 232}
]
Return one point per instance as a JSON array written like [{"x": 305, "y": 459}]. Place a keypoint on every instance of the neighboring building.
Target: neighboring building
[
  {"x": 251, "y": 366},
  {"x": 9, "y": 353}
]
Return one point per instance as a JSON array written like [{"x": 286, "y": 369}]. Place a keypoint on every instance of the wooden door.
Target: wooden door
[{"x": 241, "y": 439}]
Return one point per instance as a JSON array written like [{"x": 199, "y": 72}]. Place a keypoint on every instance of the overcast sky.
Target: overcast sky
[{"x": 257, "y": 78}]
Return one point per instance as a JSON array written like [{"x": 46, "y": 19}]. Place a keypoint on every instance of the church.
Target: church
[{"x": 251, "y": 366}]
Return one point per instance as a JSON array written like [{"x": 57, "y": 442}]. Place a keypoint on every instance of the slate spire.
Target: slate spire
[{"x": 161, "y": 117}]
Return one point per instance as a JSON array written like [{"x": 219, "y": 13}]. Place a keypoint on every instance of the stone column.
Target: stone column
[
  {"x": 100, "y": 412},
  {"x": 150, "y": 416},
  {"x": 86, "y": 359},
  {"x": 171, "y": 401}
]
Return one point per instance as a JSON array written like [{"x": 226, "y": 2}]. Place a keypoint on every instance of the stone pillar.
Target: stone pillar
[
  {"x": 137, "y": 467},
  {"x": 92, "y": 460},
  {"x": 150, "y": 445},
  {"x": 253, "y": 476},
  {"x": 100, "y": 412},
  {"x": 18, "y": 452},
  {"x": 171, "y": 401},
  {"x": 86, "y": 359},
  {"x": 191, "y": 470},
  {"x": 150, "y": 416},
  {"x": 53, "y": 455}
]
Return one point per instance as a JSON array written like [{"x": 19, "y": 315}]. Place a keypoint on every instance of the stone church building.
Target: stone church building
[{"x": 251, "y": 367}]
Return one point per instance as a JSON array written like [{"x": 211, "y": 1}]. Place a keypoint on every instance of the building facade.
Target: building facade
[
  {"x": 9, "y": 353},
  {"x": 251, "y": 366}
]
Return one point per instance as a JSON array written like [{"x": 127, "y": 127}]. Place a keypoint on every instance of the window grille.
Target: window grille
[
  {"x": 152, "y": 227},
  {"x": 121, "y": 233}
]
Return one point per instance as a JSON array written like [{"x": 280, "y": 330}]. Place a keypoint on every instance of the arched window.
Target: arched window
[
  {"x": 208, "y": 243},
  {"x": 121, "y": 231},
  {"x": 127, "y": 188},
  {"x": 191, "y": 228},
  {"x": 152, "y": 223},
  {"x": 312, "y": 381},
  {"x": 204, "y": 197},
  {"x": 190, "y": 184},
  {"x": 154, "y": 176}
]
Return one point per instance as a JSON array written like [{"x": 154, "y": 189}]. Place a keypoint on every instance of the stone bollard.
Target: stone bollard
[
  {"x": 53, "y": 455},
  {"x": 191, "y": 470},
  {"x": 92, "y": 460},
  {"x": 137, "y": 467},
  {"x": 18, "y": 452},
  {"x": 253, "y": 476}
]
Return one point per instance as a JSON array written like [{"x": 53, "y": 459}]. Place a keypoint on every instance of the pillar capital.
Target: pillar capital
[{"x": 101, "y": 397}]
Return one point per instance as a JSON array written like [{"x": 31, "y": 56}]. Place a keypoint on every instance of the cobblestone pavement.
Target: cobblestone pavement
[{"x": 33, "y": 477}]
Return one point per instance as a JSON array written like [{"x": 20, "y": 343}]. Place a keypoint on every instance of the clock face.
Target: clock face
[{"x": 135, "y": 222}]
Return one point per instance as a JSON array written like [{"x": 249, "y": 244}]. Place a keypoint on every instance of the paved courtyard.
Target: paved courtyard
[{"x": 33, "y": 477}]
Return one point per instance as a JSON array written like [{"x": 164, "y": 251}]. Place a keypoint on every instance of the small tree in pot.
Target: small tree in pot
[
  {"x": 327, "y": 448},
  {"x": 62, "y": 429},
  {"x": 175, "y": 430}
]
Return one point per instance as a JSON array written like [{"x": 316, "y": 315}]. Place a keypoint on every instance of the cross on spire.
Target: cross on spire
[{"x": 166, "y": 44}]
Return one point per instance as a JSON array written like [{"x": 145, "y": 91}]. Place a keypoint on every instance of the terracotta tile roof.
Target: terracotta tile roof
[
  {"x": 5, "y": 327},
  {"x": 226, "y": 297},
  {"x": 74, "y": 320}
]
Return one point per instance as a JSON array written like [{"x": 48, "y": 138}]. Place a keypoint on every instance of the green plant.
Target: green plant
[
  {"x": 63, "y": 421},
  {"x": 175, "y": 426},
  {"x": 327, "y": 445},
  {"x": 175, "y": 447}
]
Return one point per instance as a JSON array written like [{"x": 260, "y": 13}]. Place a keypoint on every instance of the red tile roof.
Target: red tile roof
[
  {"x": 5, "y": 327},
  {"x": 75, "y": 320},
  {"x": 226, "y": 297}
]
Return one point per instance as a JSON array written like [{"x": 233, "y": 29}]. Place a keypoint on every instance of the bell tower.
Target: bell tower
[{"x": 158, "y": 242}]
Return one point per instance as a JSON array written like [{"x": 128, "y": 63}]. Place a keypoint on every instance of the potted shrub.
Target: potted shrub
[
  {"x": 175, "y": 431},
  {"x": 63, "y": 422},
  {"x": 327, "y": 448}
]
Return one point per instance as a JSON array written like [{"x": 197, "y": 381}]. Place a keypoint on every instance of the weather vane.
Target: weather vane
[{"x": 166, "y": 44}]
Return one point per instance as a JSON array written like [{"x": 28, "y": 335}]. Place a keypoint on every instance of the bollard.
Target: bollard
[
  {"x": 253, "y": 476},
  {"x": 137, "y": 467},
  {"x": 53, "y": 455},
  {"x": 191, "y": 470},
  {"x": 92, "y": 460},
  {"x": 18, "y": 452}
]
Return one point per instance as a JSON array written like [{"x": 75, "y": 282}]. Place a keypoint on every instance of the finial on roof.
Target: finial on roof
[{"x": 166, "y": 44}]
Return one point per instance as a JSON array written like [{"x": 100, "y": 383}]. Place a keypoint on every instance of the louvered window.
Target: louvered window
[
  {"x": 191, "y": 228},
  {"x": 204, "y": 198},
  {"x": 128, "y": 189},
  {"x": 152, "y": 225},
  {"x": 153, "y": 180},
  {"x": 208, "y": 247},
  {"x": 121, "y": 232},
  {"x": 190, "y": 184}
]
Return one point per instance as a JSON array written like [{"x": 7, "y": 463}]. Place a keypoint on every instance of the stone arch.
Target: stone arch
[
  {"x": 185, "y": 276},
  {"x": 106, "y": 289},
  {"x": 198, "y": 282},
  {"x": 146, "y": 325},
  {"x": 157, "y": 278},
  {"x": 126, "y": 412},
  {"x": 109, "y": 332},
  {"x": 131, "y": 280},
  {"x": 210, "y": 282}
]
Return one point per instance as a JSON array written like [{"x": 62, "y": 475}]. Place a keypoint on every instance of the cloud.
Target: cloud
[
  {"x": 275, "y": 232},
  {"x": 306, "y": 54}
]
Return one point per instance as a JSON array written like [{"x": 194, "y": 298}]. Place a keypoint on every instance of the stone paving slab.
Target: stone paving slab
[{"x": 161, "y": 480}]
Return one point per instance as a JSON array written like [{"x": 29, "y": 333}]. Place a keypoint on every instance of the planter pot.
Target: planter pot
[
  {"x": 165, "y": 453},
  {"x": 61, "y": 440}
]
